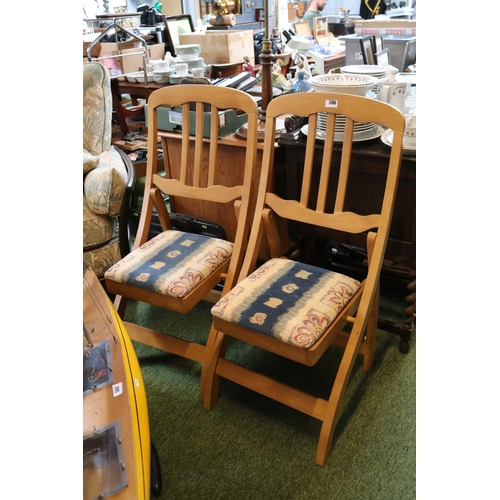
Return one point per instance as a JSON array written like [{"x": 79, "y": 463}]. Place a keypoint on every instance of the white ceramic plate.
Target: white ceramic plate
[
  {"x": 357, "y": 136},
  {"x": 340, "y": 125},
  {"x": 368, "y": 69},
  {"x": 387, "y": 139}
]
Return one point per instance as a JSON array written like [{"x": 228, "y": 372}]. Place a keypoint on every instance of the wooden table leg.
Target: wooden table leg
[
  {"x": 121, "y": 111},
  {"x": 404, "y": 329}
]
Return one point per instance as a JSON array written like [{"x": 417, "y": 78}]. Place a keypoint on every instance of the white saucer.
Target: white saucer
[
  {"x": 357, "y": 136},
  {"x": 387, "y": 139}
]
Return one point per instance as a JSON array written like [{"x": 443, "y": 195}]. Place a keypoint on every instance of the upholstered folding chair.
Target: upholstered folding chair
[
  {"x": 294, "y": 309},
  {"x": 176, "y": 270}
]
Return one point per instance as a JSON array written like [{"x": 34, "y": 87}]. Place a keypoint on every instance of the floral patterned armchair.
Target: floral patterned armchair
[{"x": 108, "y": 176}]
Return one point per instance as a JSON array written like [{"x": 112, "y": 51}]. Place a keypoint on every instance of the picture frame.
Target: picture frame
[
  {"x": 383, "y": 58},
  {"x": 378, "y": 43},
  {"x": 175, "y": 24},
  {"x": 367, "y": 50},
  {"x": 320, "y": 31}
]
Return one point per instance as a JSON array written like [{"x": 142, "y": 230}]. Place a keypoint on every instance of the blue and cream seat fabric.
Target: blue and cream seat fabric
[
  {"x": 291, "y": 301},
  {"x": 172, "y": 263}
]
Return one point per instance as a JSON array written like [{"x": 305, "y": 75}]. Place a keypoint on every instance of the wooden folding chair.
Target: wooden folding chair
[
  {"x": 294, "y": 309},
  {"x": 176, "y": 270}
]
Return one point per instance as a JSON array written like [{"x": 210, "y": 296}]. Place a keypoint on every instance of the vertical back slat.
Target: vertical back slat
[
  {"x": 344, "y": 166},
  {"x": 198, "y": 144},
  {"x": 326, "y": 162},
  {"x": 214, "y": 143},
  {"x": 308, "y": 161},
  {"x": 185, "y": 143}
]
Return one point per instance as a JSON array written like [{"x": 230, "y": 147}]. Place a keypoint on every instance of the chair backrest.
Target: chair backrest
[
  {"x": 322, "y": 188},
  {"x": 97, "y": 108},
  {"x": 198, "y": 173}
]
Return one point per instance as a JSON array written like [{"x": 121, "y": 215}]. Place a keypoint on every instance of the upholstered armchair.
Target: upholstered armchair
[{"x": 108, "y": 176}]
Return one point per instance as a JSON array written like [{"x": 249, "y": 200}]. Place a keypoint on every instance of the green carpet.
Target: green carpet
[{"x": 249, "y": 447}]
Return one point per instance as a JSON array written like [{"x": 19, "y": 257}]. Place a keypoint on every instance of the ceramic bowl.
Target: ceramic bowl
[
  {"x": 343, "y": 83},
  {"x": 132, "y": 77},
  {"x": 188, "y": 52},
  {"x": 140, "y": 77},
  {"x": 284, "y": 59},
  {"x": 174, "y": 78},
  {"x": 161, "y": 76}
]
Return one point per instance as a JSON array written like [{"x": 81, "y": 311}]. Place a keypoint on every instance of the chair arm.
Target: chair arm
[{"x": 123, "y": 227}]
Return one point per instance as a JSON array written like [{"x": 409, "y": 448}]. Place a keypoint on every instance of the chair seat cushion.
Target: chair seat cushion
[
  {"x": 291, "y": 301},
  {"x": 172, "y": 263}
]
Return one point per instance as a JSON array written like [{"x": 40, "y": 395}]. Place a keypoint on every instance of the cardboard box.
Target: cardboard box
[
  {"x": 133, "y": 63},
  {"x": 386, "y": 27},
  {"x": 128, "y": 64},
  {"x": 222, "y": 47},
  {"x": 170, "y": 120},
  {"x": 111, "y": 48}
]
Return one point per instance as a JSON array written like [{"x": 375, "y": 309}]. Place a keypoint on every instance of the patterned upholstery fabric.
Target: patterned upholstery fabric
[
  {"x": 104, "y": 173},
  {"x": 102, "y": 258},
  {"x": 97, "y": 229},
  {"x": 89, "y": 162},
  {"x": 97, "y": 108},
  {"x": 105, "y": 184},
  {"x": 288, "y": 300},
  {"x": 172, "y": 263}
]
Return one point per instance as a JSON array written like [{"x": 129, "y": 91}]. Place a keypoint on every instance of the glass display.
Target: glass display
[
  {"x": 104, "y": 471},
  {"x": 97, "y": 367}
]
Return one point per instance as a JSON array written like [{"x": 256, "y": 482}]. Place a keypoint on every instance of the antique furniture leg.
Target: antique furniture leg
[
  {"x": 405, "y": 328},
  {"x": 121, "y": 111}
]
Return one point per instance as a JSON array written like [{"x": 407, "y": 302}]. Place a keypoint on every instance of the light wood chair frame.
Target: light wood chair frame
[
  {"x": 362, "y": 311},
  {"x": 197, "y": 181}
]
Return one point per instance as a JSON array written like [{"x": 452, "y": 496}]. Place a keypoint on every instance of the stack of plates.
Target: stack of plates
[
  {"x": 370, "y": 70},
  {"x": 362, "y": 131},
  {"x": 198, "y": 62}
]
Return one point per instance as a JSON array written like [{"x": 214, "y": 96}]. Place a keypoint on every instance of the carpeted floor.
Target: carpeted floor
[{"x": 252, "y": 448}]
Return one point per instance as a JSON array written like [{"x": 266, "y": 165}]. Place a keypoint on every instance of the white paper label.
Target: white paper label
[
  {"x": 117, "y": 389},
  {"x": 331, "y": 103},
  {"x": 175, "y": 117}
]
